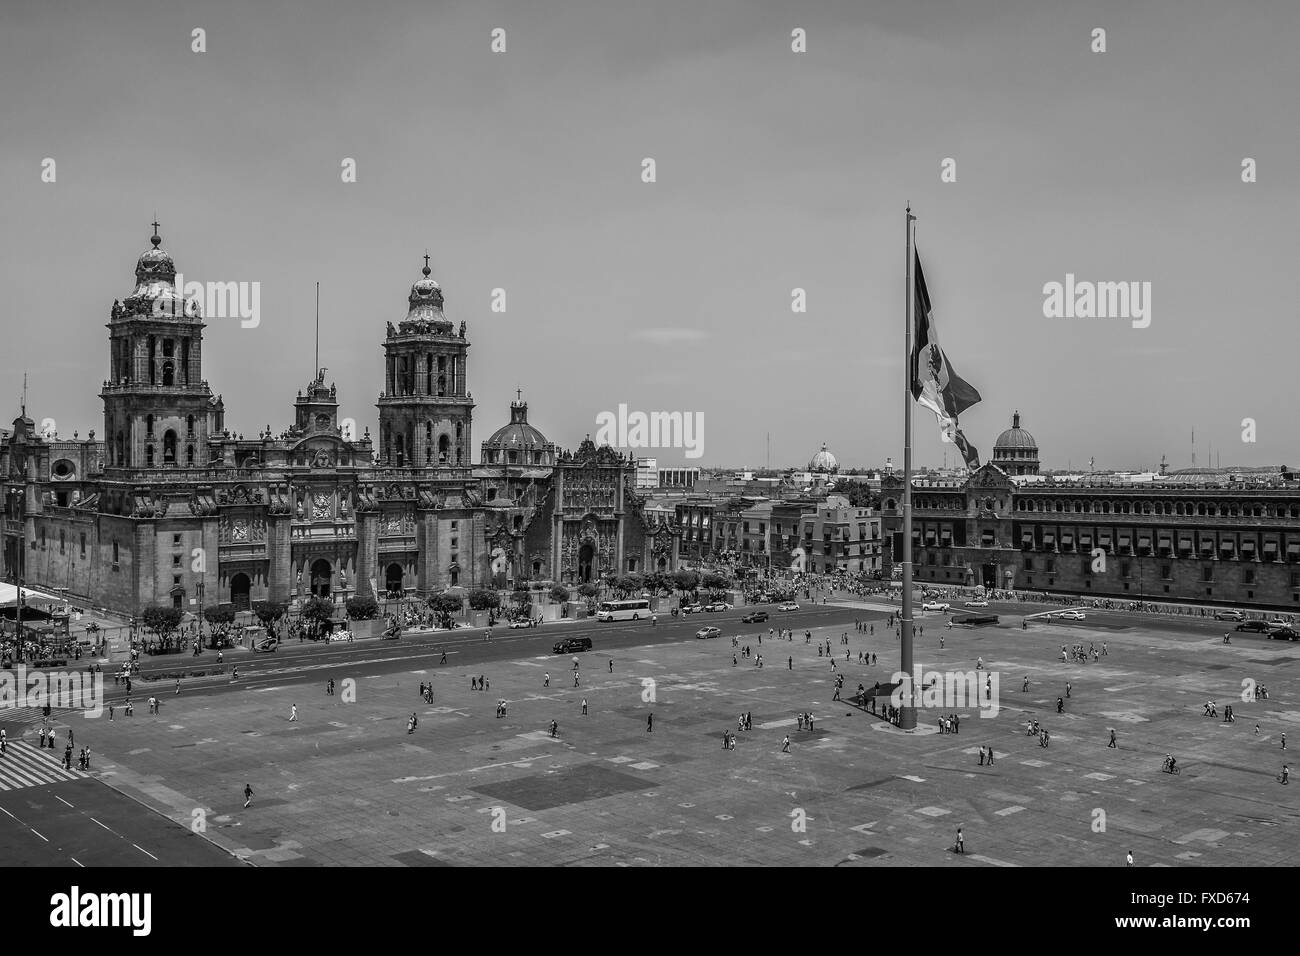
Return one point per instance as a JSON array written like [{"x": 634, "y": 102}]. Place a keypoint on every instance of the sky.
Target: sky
[{"x": 775, "y": 171}]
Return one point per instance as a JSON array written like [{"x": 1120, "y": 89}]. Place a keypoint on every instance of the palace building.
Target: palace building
[
  {"x": 1216, "y": 539},
  {"x": 172, "y": 506}
]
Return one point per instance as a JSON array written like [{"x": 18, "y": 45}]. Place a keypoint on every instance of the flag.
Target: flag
[{"x": 934, "y": 383}]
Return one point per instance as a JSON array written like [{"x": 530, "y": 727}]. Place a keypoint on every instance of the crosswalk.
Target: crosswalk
[{"x": 25, "y": 766}]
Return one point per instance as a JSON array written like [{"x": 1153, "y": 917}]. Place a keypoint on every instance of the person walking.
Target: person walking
[
  {"x": 1284, "y": 740},
  {"x": 293, "y": 712},
  {"x": 961, "y": 842},
  {"x": 584, "y": 707},
  {"x": 178, "y": 688},
  {"x": 1112, "y": 743},
  {"x": 1286, "y": 774},
  {"x": 785, "y": 745},
  {"x": 555, "y": 727},
  {"x": 546, "y": 680},
  {"x": 981, "y": 755},
  {"x": 1068, "y": 688},
  {"x": 611, "y": 665},
  {"x": 248, "y": 795},
  {"x": 444, "y": 658},
  {"x": 990, "y": 755},
  {"x": 650, "y": 723},
  {"x": 790, "y": 663},
  {"x": 1128, "y": 860}
]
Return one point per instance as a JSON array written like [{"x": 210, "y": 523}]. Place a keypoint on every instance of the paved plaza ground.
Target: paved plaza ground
[{"x": 345, "y": 784}]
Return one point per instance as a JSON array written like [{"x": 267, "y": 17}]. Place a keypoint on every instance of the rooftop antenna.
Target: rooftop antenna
[{"x": 24, "y": 402}]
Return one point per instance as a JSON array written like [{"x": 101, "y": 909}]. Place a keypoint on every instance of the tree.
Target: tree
[
  {"x": 686, "y": 581},
  {"x": 444, "y": 606},
  {"x": 559, "y": 594},
  {"x": 628, "y": 584},
  {"x": 268, "y": 612},
  {"x": 658, "y": 581},
  {"x": 219, "y": 619},
  {"x": 162, "y": 619},
  {"x": 588, "y": 590},
  {"x": 362, "y": 608},
  {"x": 317, "y": 612},
  {"x": 484, "y": 600},
  {"x": 716, "y": 582}
]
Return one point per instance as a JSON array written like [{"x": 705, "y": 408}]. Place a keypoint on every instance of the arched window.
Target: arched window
[
  {"x": 189, "y": 426},
  {"x": 169, "y": 447},
  {"x": 120, "y": 457},
  {"x": 399, "y": 453},
  {"x": 444, "y": 449},
  {"x": 169, "y": 373}
]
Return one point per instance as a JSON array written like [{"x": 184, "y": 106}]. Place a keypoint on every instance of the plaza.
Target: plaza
[{"x": 345, "y": 784}]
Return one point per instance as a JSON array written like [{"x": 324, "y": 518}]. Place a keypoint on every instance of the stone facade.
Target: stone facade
[{"x": 172, "y": 507}]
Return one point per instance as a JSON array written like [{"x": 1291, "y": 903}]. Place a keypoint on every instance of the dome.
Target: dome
[
  {"x": 1015, "y": 437},
  {"x": 425, "y": 300},
  {"x": 518, "y": 443},
  {"x": 823, "y": 461},
  {"x": 155, "y": 285}
]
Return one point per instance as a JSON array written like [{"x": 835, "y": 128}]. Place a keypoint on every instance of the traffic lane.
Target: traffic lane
[
  {"x": 1130, "y": 619},
  {"x": 383, "y": 657},
  {"x": 87, "y": 823}
]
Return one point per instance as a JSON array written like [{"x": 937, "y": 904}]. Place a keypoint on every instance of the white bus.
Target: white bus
[{"x": 633, "y": 610}]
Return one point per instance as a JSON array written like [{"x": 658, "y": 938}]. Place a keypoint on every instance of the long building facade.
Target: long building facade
[
  {"x": 172, "y": 507},
  {"x": 1175, "y": 539}
]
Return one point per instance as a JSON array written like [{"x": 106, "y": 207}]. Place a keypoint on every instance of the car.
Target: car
[
  {"x": 692, "y": 609},
  {"x": 1229, "y": 615},
  {"x": 754, "y": 617},
  {"x": 1278, "y": 622},
  {"x": 1258, "y": 627},
  {"x": 979, "y": 602},
  {"x": 571, "y": 644},
  {"x": 706, "y": 632},
  {"x": 788, "y": 606},
  {"x": 1283, "y": 634},
  {"x": 1071, "y": 615},
  {"x": 718, "y": 606},
  {"x": 934, "y": 606},
  {"x": 520, "y": 622}
]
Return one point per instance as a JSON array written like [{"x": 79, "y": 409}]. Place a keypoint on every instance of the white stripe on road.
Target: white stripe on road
[{"x": 145, "y": 852}]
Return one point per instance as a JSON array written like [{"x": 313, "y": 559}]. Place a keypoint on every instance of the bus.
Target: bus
[
  {"x": 633, "y": 610},
  {"x": 974, "y": 620}
]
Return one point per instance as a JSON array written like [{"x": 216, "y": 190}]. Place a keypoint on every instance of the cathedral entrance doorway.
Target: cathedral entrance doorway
[
  {"x": 321, "y": 572},
  {"x": 989, "y": 577},
  {"x": 393, "y": 579},
  {"x": 240, "y": 586},
  {"x": 586, "y": 554}
]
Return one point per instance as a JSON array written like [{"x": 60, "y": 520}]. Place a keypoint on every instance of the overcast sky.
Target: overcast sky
[{"x": 775, "y": 170}]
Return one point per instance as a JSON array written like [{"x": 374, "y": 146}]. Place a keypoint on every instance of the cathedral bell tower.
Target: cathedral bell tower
[
  {"x": 425, "y": 411},
  {"x": 158, "y": 410}
]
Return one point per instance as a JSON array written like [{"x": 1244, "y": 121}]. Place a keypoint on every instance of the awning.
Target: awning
[
  {"x": 1166, "y": 541},
  {"x": 1067, "y": 539},
  {"x": 1293, "y": 549},
  {"x": 1185, "y": 543},
  {"x": 1027, "y": 538},
  {"x": 1207, "y": 545},
  {"x": 1104, "y": 539},
  {"x": 1125, "y": 539},
  {"x": 1270, "y": 547},
  {"x": 945, "y": 535},
  {"x": 929, "y": 536},
  {"x": 1049, "y": 539},
  {"x": 1085, "y": 538},
  {"x": 1227, "y": 544},
  {"x": 1248, "y": 545},
  {"x": 1144, "y": 541}
]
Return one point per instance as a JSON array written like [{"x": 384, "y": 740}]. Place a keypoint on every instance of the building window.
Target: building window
[
  {"x": 114, "y": 554},
  {"x": 1166, "y": 571},
  {"x": 1029, "y": 564},
  {"x": 176, "y": 560},
  {"x": 1125, "y": 569},
  {"x": 83, "y": 544},
  {"x": 1248, "y": 576},
  {"x": 176, "y": 541},
  {"x": 453, "y": 526},
  {"x": 176, "y": 580},
  {"x": 1207, "y": 572},
  {"x": 1051, "y": 568},
  {"x": 455, "y": 543}
]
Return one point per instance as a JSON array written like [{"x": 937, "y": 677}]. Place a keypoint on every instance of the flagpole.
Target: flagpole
[{"x": 907, "y": 718}]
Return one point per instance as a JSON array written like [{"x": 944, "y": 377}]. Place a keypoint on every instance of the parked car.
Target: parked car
[
  {"x": 718, "y": 606},
  {"x": 692, "y": 608},
  {"x": 934, "y": 606},
  {"x": 788, "y": 606},
  {"x": 754, "y": 617},
  {"x": 1229, "y": 615},
  {"x": 1258, "y": 627},
  {"x": 1284, "y": 634},
  {"x": 520, "y": 622},
  {"x": 979, "y": 602},
  {"x": 571, "y": 644},
  {"x": 1278, "y": 622},
  {"x": 1071, "y": 615},
  {"x": 708, "y": 632}
]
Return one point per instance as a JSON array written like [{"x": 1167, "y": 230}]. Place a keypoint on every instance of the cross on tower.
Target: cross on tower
[
  {"x": 155, "y": 225},
  {"x": 519, "y": 394},
  {"x": 426, "y": 263}
]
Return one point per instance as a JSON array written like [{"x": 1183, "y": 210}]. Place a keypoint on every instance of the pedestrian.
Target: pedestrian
[
  {"x": 790, "y": 663},
  {"x": 1286, "y": 774},
  {"x": 575, "y": 678},
  {"x": 110, "y": 717},
  {"x": 785, "y": 745},
  {"x": 584, "y": 707},
  {"x": 293, "y": 712},
  {"x": 178, "y": 688},
  {"x": 248, "y": 795},
  {"x": 546, "y": 680},
  {"x": 555, "y": 727},
  {"x": 981, "y": 755},
  {"x": 329, "y": 687},
  {"x": 1112, "y": 743},
  {"x": 990, "y": 755},
  {"x": 1128, "y": 860},
  {"x": 650, "y": 723},
  {"x": 444, "y": 658},
  {"x": 1025, "y": 687},
  {"x": 1284, "y": 740},
  {"x": 1068, "y": 686},
  {"x": 611, "y": 665},
  {"x": 961, "y": 842},
  {"x": 1104, "y": 652},
  {"x": 956, "y": 723},
  {"x": 1256, "y": 726}
]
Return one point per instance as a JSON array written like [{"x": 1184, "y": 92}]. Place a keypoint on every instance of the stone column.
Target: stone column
[
  {"x": 366, "y": 564},
  {"x": 279, "y": 558}
]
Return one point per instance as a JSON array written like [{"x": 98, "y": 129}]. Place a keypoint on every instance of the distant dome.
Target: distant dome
[
  {"x": 824, "y": 461},
  {"x": 1015, "y": 451},
  {"x": 518, "y": 442}
]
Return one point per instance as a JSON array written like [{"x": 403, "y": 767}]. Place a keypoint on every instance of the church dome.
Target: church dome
[
  {"x": 1015, "y": 451},
  {"x": 155, "y": 290},
  {"x": 518, "y": 442},
  {"x": 823, "y": 461},
  {"x": 425, "y": 300}
]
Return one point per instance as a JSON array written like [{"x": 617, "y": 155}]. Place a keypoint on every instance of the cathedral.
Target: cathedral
[{"x": 172, "y": 507}]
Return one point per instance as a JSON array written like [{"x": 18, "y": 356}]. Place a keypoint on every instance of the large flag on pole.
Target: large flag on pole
[{"x": 934, "y": 383}]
